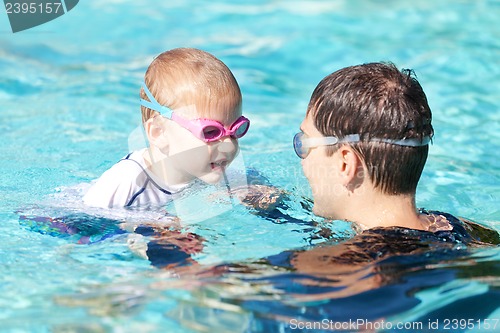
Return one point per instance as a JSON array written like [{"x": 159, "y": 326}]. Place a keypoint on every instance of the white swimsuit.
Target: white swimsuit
[{"x": 127, "y": 184}]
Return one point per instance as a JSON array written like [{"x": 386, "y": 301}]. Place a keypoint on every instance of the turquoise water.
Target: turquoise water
[{"x": 68, "y": 96}]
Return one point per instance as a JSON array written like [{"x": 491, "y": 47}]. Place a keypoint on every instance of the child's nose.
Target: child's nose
[{"x": 227, "y": 145}]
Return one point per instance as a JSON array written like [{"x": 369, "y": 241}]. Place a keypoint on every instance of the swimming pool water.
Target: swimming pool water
[{"x": 69, "y": 99}]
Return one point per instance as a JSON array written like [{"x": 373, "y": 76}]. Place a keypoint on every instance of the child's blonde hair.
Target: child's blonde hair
[{"x": 185, "y": 77}]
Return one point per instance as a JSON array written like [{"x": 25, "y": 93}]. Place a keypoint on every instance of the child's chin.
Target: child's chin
[{"x": 213, "y": 177}]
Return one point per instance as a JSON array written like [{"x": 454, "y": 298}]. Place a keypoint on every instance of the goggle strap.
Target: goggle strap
[
  {"x": 153, "y": 103},
  {"x": 411, "y": 142},
  {"x": 352, "y": 138},
  {"x": 320, "y": 141}
]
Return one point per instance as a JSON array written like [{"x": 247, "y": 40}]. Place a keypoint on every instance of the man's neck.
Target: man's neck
[{"x": 376, "y": 209}]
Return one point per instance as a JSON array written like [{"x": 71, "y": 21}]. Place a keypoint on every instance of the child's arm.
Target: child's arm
[{"x": 165, "y": 248}]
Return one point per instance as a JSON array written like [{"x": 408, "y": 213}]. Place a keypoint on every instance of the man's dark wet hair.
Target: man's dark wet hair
[{"x": 376, "y": 100}]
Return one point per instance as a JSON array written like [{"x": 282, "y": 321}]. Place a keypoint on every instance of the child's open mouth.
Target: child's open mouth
[{"x": 218, "y": 165}]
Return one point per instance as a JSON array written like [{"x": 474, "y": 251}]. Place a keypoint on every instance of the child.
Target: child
[
  {"x": 364, "y": 143},
  {"x": 191, "y": 112}
]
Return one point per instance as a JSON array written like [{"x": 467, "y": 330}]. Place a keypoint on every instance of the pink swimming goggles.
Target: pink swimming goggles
[{"x": 207, "y": 130}]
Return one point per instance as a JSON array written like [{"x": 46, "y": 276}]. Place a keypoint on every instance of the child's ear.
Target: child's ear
[{"x": 154, "y": 128}]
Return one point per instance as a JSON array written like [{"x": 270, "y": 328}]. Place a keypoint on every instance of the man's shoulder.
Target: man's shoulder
[{"x": 479, "y": 234}]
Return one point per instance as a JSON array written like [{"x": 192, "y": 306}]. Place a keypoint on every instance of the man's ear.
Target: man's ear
[
  {"x": 349, "y": 165},
  {"x": 154, "y": 128}
]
